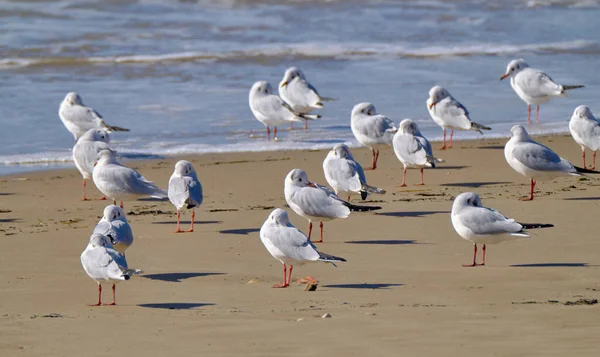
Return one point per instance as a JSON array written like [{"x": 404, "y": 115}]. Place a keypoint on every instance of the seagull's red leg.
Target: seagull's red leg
[
  {"x": 583, "y": 156},
  {"x": 178, "y": 229},
  {"x": 192, "y": 224},
  {"x": 115, "y": 202},
  {"x": 537, "y": 114},
  {"x": 309, "y": 228},
  {"x": 422, "y": 183},
  {"x": 444, "y": 142},
  {"x": 84, "y": 198},
  {"x": 474, "y": 257},
  {"x": 528, "y": 113},
  {"x": 274, "y": 133},
  {"x": 321, "y": 235},
  {"x": 376, "y": 159},
  {"x": 451, "y": 135},
  {"x": 403, "y": 178},
  {"x": 483, "y": 261},
  {"x": 99, "y": 297},
  {"x": 284, "y": 276},
  {"x": 287, "y": 283},
  {"x": 268, "y": 133},
  {"x": 291, "y": 125},
  {"x": 348, "y": 199},
  {"x": 594, "y": 162},
  {"x": 306, "y": 125},
  {"x": 103, "y": 198},
  {"x": 532, "y": 188},
  {"x": 114, "y": 290}
]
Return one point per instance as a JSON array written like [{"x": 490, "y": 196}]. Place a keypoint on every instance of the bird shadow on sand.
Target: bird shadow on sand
[
  {"x": 9, "y": 220},
  {"x": 188, "y": 222},
  {"x": 552, "y": 265},
  {"x": 177, "y": 305},
  {"x": 382, "y": 242},
  {"x": 6, "y": 193},
  {"x": 240, "y": 231},
  {"x": 442, "y": 167},
  {"x": 177, "y": 277},
  {"x": 582, "y": 199},
  {"x": 492, "y": 147},
  {"x": 153, "y": 199},
  {"x": 362, "y": 286},
  {"x": 474, "y": 184},
  {"x": 411, "y": 214}
]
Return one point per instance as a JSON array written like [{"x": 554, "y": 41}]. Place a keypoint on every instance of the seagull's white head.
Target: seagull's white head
[
  {"x": 291, "y": 74},
  {"x": 279, "y": 217},
  {"x": 341, "y": 151},
  {"x": 514, "y": 67},
  {"x": 73, "y": 99},
  {"x": 583, "y": 112},
  {"x": 364, "y": 109},
  {"x": 436, "y": 94},
  {"x": 519, "y": 133},
  {"x": 113, "y": 213},
  {"x": 95, "y": 135},
  {"x": 408, "y": 126},
  {"x": 107, "y": 155},
  {"x": 466, "y": 199},
  {"x": 298, "y": 178},
  {"x": 261, "y": 87},
  {"x": 185, "y": 168},
  {"x": 99, "y": 240}
]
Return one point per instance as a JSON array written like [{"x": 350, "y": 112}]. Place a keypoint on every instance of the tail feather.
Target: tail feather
[
  {"x": 328, "y": 99},
  {"x": 157, "y": 192},
  {"x": 373, "y": 189},
  {"x": 583, "y": 170},
  {"x": 478, "y": 127},
  {"x": 115, "y": 128},
  {"x": 128, "y": 273},
  {"x": 536, "y": 225},
  {"x": 356, "y": 208},
  {"x": 189, "y": 203},
  {"x": 328, "y": 258},
  {"x": 431, "y": 161},
  {"x": 569, "y": 87},
  {"x": 309, "y": 116}
]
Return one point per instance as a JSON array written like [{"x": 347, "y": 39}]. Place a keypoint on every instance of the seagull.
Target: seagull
[
  {"x": 315, "y": 202},
  {"x": 114, "y": 225},
  {"x": 295, "y": 90},
  {"x": 371, "y": 129},
  {"x": 105, "y": 265},
  {"x": 413, "y": 149},
  {"x": 269, "y": 109},
  {"x": 533, "y": 86},
  {"x": 119, "y": 182},
  {"x": 536, "y": 161},
  {"x": 290, "y": 246},
  {"x": 449, "y": 113},
  {"x": 585, "y": 129},
  {"x": 185, "y": 191},
  {"x": 78, "y": 118},
  {"x": 482, "y": 225},
  {"x": 345, "y": 175},
  {"x": 85, "y": 153}
]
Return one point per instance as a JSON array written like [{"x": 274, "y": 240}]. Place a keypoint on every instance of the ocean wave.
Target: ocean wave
[{"x": 298, "y": 51}]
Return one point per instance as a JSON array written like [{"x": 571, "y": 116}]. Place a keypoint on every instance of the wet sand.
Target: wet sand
[{"x": 403, "y": 290}]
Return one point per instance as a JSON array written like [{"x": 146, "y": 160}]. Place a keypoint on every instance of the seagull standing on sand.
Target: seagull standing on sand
[
  {"x": 371, "y": 129},
  {"x": 290, "y": 246},
  {"x": 536, "y": 161},
  {"x": 119, "y": 182},
  {"x": 532, "y": 86},
  {"x": 271, "y": 110},
  {"x": 413, "y": 149},
  {"x": 482, "y": 225},
  {"x": 296, "y": 91},
  {"x": 185, "y": 191},
  {"x": 114, "y": 225},
  {"x": 345, "y": 175},
  {"x": 449, "y": 113},
  {"x": 78, "y": 118},
  {"x": 85, "y": 153},
  {"x": 315, "y": 202},
  {"x": 585, "y": 129},
  {"x": 105, "y": 265}
]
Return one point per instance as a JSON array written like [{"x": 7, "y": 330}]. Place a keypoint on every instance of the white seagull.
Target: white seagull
[
  {"x": 78, "y": 118},
  {"x": 315, "y": 202},
  {"x": 271, "y": 110},
  {"x": 345, "y": 175},
  {"x": 449, "y": 113},
  {"x": 105, "y": 265},
  {"x": 482, "y": 225},
  {"x": 371, "y": 129},
  {"x": 185, "y": 191},
  {"x": 85, "y": 153},
  {"x": 536, "y": 161},
  {"x": 532, "y": 86},
  {"x": 585, "y": 129},
  {"x": 119, "y": 182},
  {"x": 413, "y": 149},
  {"x": 114, "y": 225},
  {"x": 290, "y": 246},
  {"x": 296, "y": 91}
]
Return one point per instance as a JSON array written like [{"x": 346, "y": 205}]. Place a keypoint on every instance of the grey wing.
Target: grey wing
[
  {"x": 292, "y": 243},
  {"x": 540, "y": 158},
  {"x": 306, "y": 93},
  {"x": 124, "y": 179},
  {"x": 83, "y": 117},
  {"x": 483, "y": 220},
  {"x": 425, "y": 144},
  {"x": 271, "y": 105},
  {"x": 321, "y": 202},
  {"x": 359, "y": 171},
  {"x": 99, "y": 264},
  {"x": 105, "y": 228},
  {"x": 122, "y": 233},
  {"x": 196, "y": 194},
  {"x": 344, "y": 174},
  {"x": 454, "y": 113},
  {"x": 85, "y": 155},
  {"x": 118, "y": 258},
  {"x": 537, "y": 84},
  {"x": 179, "y": 191},
  {"x": 409, "y": 150}
]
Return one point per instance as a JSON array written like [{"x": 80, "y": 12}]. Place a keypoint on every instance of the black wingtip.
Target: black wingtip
[
  {"x": 583, "y": 170},
  {"x": 536, "y": 225},
  {"x": 356, "y": 208},
  {"x": 127, "y": 277},
  {"x": 363, "y": 195}
]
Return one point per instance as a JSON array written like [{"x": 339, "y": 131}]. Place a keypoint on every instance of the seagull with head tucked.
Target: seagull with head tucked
[
  {"x": 371, "y": 129},
  {"x": 585, "y": 130}
]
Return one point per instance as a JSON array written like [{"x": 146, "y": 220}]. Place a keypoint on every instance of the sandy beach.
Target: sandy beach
[{"x": 402, "y": 291}]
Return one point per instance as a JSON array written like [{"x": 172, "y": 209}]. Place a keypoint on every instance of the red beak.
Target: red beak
[
  {"x": 504, "y": 76},
  {"x": 310, "y": 184},
  {"x": 95, "y": 163}
]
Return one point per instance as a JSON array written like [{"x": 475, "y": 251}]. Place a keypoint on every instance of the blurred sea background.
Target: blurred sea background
[{"x": 177, "y": 73}]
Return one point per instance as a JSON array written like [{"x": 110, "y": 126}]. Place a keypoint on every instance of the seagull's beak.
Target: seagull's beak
[
  {"x": 431, "y": 105},
  {"x": 504, "y": 76},
  {"x": 95, "y": 163},
  {"x": 310, "y": 184},
  {"x": 283, "y": 84}
]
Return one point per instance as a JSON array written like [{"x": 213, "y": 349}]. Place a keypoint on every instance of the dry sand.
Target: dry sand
[{"x": 403, "y": 290}]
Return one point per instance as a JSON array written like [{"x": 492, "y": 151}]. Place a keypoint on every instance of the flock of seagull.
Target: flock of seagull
[{"x": 104, "y": 257}]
